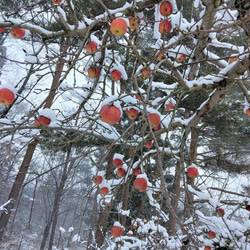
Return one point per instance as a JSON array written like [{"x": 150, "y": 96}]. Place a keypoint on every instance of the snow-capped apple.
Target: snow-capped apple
[
  {"x": 162, "y": 55},
  {"x": 57, "y": 1},
  {"x": 166, "y": 8},
  {"x": 181, "y": 58},
  {"x": 233, "y": 59},
  {"x": 207, "y": 248},
  {"x": 248, "y": 112},
  {"x": 149, "y": 144},
  {"x": 169, "y": 106},
  {"x": 146, "y": 74},
  {"x": 115, "y": 75},
  {"x": 46, "y": 116},
  {"x": 110, "y": 114},
  {"x": 136, "y": 171},
  {"x": 93, "y": 72},
  {"x": 121, "y": 172},
  {"x": 130, "y": 233},
  {"x": 91, "y": 47},
  {"x": 118, "y": 27},
  {"x": 132, "y": 113},
  {"x": 140, "y": 183},
  {"x": 165, "y": 26},
  {"x": 133, "y": 21},
  {"x": 2, "y": 29},
  {"x": 42, "y": 121},
  {"x": 154, "y": 120},
  {"x": 117, "y": 230},
  {"x": 7, "y": 95},
  {"x": 211, "y": 235},
  {"x": 192, "y": 172},
  {"x": 17, "y": 33},
  {"x": 97, "y": 179},
  {"x": 220, "y": 212},
  {"x": 104, "y": 190},
  {"x": 134, "y": 226},
  {"x": 117, "y": 163}
]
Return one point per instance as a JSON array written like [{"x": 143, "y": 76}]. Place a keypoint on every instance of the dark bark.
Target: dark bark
[{"x": 175, "y": 194}]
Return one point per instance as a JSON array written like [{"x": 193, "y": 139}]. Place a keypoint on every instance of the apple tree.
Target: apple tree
[{"x": 116, "y": 116}]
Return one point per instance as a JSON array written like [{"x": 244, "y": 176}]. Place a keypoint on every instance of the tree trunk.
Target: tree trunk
[
  {"x": 176, "y": 187},
  {"x": 104, "y": 213},
  {"x": 57, "y": 200},
  {"x": 190, "y": 181}
]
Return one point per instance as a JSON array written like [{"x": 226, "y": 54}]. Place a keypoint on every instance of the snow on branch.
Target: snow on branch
[{"x": 2, "y": 207}]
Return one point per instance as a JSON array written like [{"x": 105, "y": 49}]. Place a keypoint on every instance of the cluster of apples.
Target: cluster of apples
[
  {"x": 165, "y": 10},
  {"x": 93, "y": 71},
  {"x": 140, "y": 182},
  {"x": 17, "y": 33}
]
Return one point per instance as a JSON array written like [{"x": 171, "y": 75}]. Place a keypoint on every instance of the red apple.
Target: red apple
[
  {"x": 134, "y": 226},
  {"x": 169, "y": 106},
  {"x": 154, "y": 120},
  {"x": 247, "y": 206},
  {"x": 2, "y": 29},
  {"x": 7, "y": 96},
  {"x": 136, "y": 171},
  {"x": 116, "y": 231},
  {"x": 211, "y": 235},
  {"x": 118, "y": 27},
  {"x": 140, "y": 184},
  {"x": 104, "y": 190},
  {"x": 115, "y": 75},
  {"x": 157, "y": 128},
  {"x": 57, "y": 1},
  {"x": 166, "y": 8},
  {"x": 130, "y": 234},
  {"x": 192, "y": 172},
  {"x": 165, "y": 26},
  {"x": 146, "y": 74},
  {"x": 233, "y": 59},
  {"x": 162, "y": 55},
  {"x": 149, "y": 144},
  {"x": 91, "y": 47},
  {"x": 17, "y": 33},
  {"x": 138, "y": 97},
  {"x": 132, "y": 113},
  {"x": 248, "y": 112},
  {"x": 117, "y": 163},
  {"x": 181, "y": 58},
  {"x": 97, "y": 179},
  {"x": 121, "y": 172},
  {"x": 93, "y": 72},
  {"x": 207, "y": 248},
  {"x": 133, "y": 21},
  {"x": 110, "y": 114},
  {"x": 42, "y": 121},
  {"x": 220, "y": 212}
]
